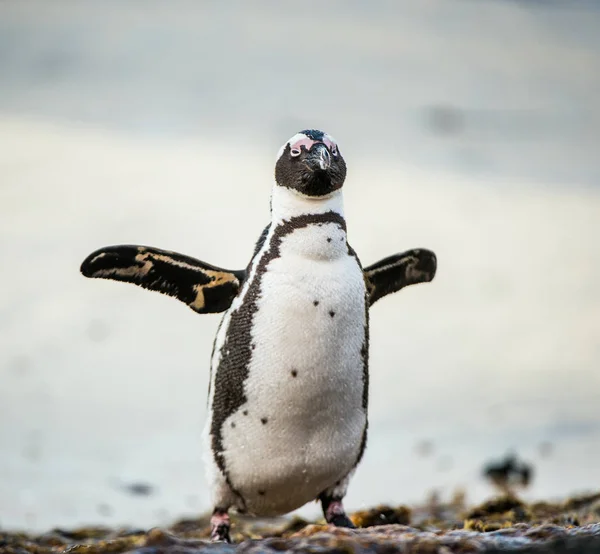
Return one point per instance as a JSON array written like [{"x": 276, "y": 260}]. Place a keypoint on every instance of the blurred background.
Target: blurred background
[{"x": 469, "y": 127}]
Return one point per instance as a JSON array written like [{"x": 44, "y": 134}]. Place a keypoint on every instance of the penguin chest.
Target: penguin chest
[
  {"x": 308, "y": 333},
  {"x": 301, "y": 425}
]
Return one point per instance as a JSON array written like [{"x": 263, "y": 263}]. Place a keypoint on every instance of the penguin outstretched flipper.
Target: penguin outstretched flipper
[
  {"x": 398, "y": 271},
  {"x": 203, "y": 287}
]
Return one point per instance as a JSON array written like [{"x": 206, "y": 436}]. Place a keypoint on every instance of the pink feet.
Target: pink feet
[
  {"x": 219, "y": 526},
  {"x": 334, "y": 512}
]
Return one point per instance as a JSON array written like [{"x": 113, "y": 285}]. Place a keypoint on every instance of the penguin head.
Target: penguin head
[{"x": 310, "y": 163}]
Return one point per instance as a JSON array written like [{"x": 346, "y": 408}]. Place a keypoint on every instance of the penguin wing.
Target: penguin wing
[
  {"x": 203, "y": 287},
  {"x": 398, "y": 271}
]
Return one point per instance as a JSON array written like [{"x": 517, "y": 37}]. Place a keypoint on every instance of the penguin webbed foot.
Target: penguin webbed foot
[
  {"x": 342, "y": 520},
  {"x": 220, "y": 526},
  {"x": 334, "y": 512}
]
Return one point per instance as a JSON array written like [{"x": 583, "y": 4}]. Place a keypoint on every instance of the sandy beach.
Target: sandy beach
[{"x": 472, "y": 130}]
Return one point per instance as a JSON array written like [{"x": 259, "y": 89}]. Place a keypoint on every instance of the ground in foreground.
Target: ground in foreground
[{"x": 500, "y": 525}]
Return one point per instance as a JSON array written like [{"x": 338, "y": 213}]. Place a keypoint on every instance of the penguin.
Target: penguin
[{"x": 289, "y": 386}]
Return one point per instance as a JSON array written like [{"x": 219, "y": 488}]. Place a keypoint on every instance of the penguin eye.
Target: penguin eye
[
  {"x": 330, "y": 143},
  {"x": 295, "y": 151}
]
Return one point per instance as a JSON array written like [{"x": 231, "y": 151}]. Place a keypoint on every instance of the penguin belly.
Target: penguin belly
[{"x": 300, "y": 428}]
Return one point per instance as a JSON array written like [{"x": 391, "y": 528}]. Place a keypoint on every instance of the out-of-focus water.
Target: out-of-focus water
[{"x": 471, "y": 128}]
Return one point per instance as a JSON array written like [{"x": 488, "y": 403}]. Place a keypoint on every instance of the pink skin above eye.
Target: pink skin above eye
[{"x": 296, "y": 146}]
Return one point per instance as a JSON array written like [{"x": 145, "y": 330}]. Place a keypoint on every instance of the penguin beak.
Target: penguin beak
[{"x": 319, "y": 157}]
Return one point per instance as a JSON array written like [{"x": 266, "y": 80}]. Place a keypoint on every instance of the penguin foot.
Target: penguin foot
[
  {"x": 342, "y": 520},
  {"x": 334, "y": 512},
  {"x": 219, "y": 526}
]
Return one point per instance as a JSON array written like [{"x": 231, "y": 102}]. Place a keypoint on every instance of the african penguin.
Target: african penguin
[{"x": 288, "y": 392}]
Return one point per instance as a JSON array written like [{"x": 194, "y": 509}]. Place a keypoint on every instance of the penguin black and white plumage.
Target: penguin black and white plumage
[{"x": 288, "y": 393}]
